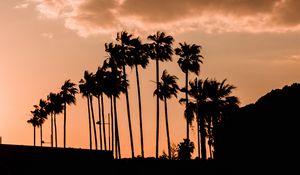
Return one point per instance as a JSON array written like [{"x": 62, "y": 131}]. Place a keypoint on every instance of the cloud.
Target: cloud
[
  {"x": 89, "y": 17},
  {"x": 21, "y": 6},
  {"x": 47, "y": 35}
]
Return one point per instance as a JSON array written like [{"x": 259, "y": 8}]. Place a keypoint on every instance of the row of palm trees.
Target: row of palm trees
[
  {"x": 208, "y": 97},
  {"x": 56, "y": 103}
]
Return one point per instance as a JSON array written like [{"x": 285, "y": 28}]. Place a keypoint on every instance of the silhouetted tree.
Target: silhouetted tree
[
  {"x": 160, "y": 50},
  {"x": 124, "y": 59},
  {"x": 185, "y": 149},
  {"x": 189, "y": 59},
  {"x": 68, "y": 92},
  {"x": 54, "y": 107},
  {"x": 98, "y": 92},
  {"x": 220, "y": 97},
  {"x": 42, "y": 116},
  {"x": 85, "y": 89},
  {"x": 139, "y": 57},
  {"x": 115, "y": 84},
  {"x": 34, "y": 121},
  {"x": 166, "y": 89},
  {"x": 198, "y": 92}
]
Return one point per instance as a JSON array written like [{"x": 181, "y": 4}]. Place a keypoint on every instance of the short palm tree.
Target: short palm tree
[
  {"x": 68, "y": 92},
  {"x": 220, "y": 97},
  {"x": 42, "y": 116},
  {"x": 167, "y": 88},
  {"x": 159, "y": 50},
  {"x": 189, "y": 59},
  {"x": 198, "y": 92},
  {"x": 54, "y": 107},
  {"x": 34, "y": 121}
]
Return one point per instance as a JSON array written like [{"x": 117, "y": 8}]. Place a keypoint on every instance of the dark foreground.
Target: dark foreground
[{"x": 16, "y": 159}]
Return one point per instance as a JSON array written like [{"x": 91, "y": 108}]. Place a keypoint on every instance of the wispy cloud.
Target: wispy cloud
[
  {"x": 47, "y": 35},
  {"x": 21, "y": 6},
  {"x": 89, "y": 17}
]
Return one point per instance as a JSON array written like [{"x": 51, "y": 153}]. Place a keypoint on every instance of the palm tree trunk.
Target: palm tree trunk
[
  {"x": 112, "y": 124},
  {"x": 41, "y": 134},
  {"x": 118, "y": 150},
  {"x": 94, "y": 125},
  {"x": 186, "y": 105},
  {"x": 109, "y": 130},
  {"x": 34, "y": 135},
  {"x": 65, "y": 123},
  {"x": 203, "y": 138},
  {"x": 51, "y": 129},
  {"x": 100, "y": 122},
  {"x": 128, "y": 114},
  {"x": 198, "y": 136},
  {"x": 167, "y": 128},
  {"x": 90, "y": 125},
  {"x": 103, "y": 120},
  {"x": 140, "y": 110},
  {"x": 157, "y": 109},
  {"x": 55, "y": 130}
]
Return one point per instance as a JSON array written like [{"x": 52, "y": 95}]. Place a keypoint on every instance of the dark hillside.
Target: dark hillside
[{"x": 266, "y": 133}]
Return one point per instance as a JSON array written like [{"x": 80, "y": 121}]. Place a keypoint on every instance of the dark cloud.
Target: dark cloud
[
  {"x": 287, "y": 13},
  {"x": 172, "y": 10},
  {"x": 98, "y": 16}
]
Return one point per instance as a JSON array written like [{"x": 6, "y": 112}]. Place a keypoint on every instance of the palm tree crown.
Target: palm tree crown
[
  {"x": 167, "y": 87},
  {"x": 161, "y": 48},
  {"x": 190, "y": 57}
]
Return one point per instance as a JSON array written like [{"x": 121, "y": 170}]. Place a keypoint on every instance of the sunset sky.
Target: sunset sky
[{"x": 255, "y": 44}]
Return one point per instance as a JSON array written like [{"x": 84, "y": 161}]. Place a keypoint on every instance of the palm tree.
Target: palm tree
[
  {"x": 54, "y": 107},
  {"x": 220, "y": 97},
  {"x": 160, "y": 50},
  {"x": 98, "y": 92},
  {"x": 167, "y": 88},
  {"x": 83, "y": 88},
  {"x": 34, "y": 121},
  {"x": 42, "y": 116},
  {"x": 115, "y": 84},
  {"x": 198, "y": 92},
  {"x": 139, "y": 57},
  {"x": 189, "y": 59},
  {"x": 68, "y": 92},
  {"x": 86, "y": 86},
  {"x": 124, "y": 59}
]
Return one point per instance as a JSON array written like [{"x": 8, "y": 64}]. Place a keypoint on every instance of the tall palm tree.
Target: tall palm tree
[
  {"x": 83, "y": 88},
  {"x": 98, "y": 91},
  {"x": 167, "y": 88},
  {"x": 68, "y": 92},
  {"x": 139, "y": 57},
  {"x": 86, "y": 86},
  {"x": 115, "y": 84},
  {"x": 124, "y": 59},
  {"x": 189, "y": 59},
  {"x": 34, "y": 121},
  {"x": 160, "y": 50},
  {"x": 55, "y": 107}
]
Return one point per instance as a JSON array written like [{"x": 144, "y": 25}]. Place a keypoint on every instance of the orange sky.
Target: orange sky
[{"x": 254, "y": 44}]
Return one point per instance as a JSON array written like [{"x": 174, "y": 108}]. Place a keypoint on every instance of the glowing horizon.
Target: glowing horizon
[{"x": 254, "y": 44}]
